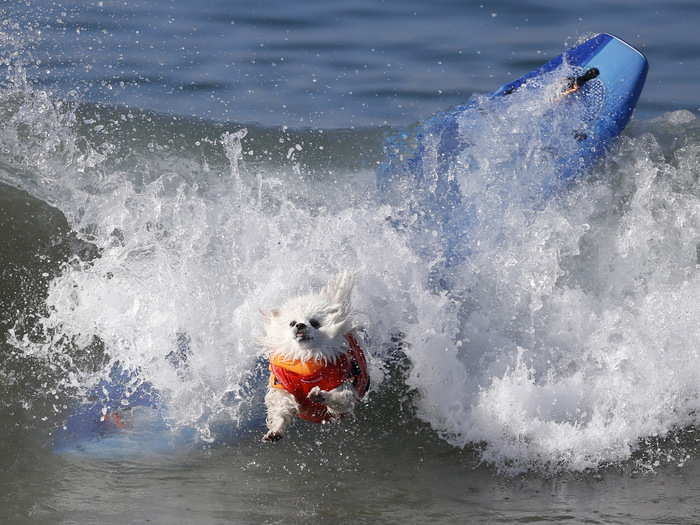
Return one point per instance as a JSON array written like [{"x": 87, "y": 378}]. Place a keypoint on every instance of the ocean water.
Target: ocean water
[{"x": 169, "y": 170}]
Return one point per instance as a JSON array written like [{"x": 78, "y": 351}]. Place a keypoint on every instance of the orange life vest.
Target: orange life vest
[{"x": 299, "y": 377}]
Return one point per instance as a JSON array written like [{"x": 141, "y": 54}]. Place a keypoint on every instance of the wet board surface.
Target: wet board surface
[
  {"x": 524, "y": 143},
  {"x": 612, "y": 94}
]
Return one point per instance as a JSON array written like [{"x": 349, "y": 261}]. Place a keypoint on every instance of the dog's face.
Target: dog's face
[
  {"x": 303, "y": 332},
  {"x": 311, "y": 326}
]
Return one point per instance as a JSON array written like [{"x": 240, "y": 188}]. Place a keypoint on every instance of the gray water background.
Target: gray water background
[{"x": 339, "y": 64}]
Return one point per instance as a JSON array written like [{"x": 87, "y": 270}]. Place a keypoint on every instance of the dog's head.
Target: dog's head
[{"x": 311, "y": 326}]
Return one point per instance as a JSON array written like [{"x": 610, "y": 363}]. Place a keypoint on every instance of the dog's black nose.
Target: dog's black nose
[{"x": 300, "y": 327}]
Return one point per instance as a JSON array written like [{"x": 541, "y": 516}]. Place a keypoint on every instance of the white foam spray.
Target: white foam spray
[{"x": 567, "y": 335}]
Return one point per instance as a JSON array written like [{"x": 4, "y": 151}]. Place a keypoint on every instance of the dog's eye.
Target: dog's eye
[
  {"x": 314, "y": 323},
  {"x": 292, "y": 323}
]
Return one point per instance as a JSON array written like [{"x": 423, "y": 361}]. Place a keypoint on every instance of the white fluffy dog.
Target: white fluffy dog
[{"x": 317, "y": 370}]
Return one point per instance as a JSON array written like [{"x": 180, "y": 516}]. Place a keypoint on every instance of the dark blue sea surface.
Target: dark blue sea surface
[
  {"x": 169, "y": 170},
  {"x": 336, "y": 64}
]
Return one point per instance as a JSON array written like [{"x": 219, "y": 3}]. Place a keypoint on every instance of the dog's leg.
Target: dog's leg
[
  {"x": 340, "y": 400},
  {"x": 281, "y": 409}
]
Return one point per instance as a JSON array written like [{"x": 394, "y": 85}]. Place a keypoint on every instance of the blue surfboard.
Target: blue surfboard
[
  {"x": 125, "y": 415},
  {"x": 527, "y": 141},
  {"x": 618, "y": 72},
  {"x": 121, "y": 415}
]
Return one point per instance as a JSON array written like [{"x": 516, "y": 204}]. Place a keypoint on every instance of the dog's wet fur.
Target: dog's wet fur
[{"x": 310, "y": 327}]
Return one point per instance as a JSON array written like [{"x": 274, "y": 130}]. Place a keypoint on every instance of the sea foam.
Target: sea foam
[{"x": 562, "y": 336}]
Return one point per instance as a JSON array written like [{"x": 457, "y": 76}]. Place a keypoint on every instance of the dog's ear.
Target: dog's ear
[
  {"x": 338, "y": 293},
  {"x": 339, "y": 289},
  {"x": 269, "y": 315}
]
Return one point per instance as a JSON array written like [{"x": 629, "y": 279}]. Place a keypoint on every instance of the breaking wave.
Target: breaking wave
[{"x": 564, "y": 336}]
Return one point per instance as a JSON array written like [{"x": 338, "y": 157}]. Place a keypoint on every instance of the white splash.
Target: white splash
[{"x": 568, "y": 334}]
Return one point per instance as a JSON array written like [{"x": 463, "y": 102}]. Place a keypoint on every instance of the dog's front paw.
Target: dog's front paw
[
  {"x": 317, "y": 395},
  {"x": 272, "y": 436}
]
